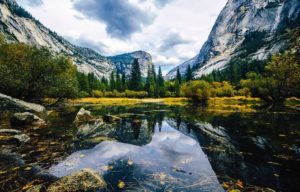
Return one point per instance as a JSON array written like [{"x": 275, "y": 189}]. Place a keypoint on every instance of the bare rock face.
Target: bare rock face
[
  {"x": 7, "y": 102},
  {"x": 23, "y": 119},
  {"x": 84, "y": 180},
  {"x": 124, "y": 62},
  {"x": 83, "y": 116},
  {"x": 249, "y": 27},
  {"x": 19, "y": 26}
]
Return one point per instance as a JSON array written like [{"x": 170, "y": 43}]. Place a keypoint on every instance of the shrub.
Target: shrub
[
  {"x": 97, "y": 94},
  {"x": 83, "y": 94},
  {"x": 198, "y": 91},
  {"x": 136, "y": 94}
]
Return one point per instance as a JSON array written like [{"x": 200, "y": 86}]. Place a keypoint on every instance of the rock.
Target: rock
[
  {"x": 9, "y": 132},
  {"x": 37, "y": 188},
  {"x": 239, "y": 23},
  {"x": 15, "y": 139},
  {"x": 84, "y": 180},
  {"x": 83, "y": 116},
  {"x": 7, "y": 102},
  {"x": 111, "y": 118},
  {"x": 22, "y": 119},
  {"x": 22, "y": 138}
]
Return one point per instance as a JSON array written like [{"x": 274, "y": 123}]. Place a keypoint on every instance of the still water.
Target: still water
[{"x": 160, "y": 148}]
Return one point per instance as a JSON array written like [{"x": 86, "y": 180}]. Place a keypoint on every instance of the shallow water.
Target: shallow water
[{"x": 159, "y": 148}]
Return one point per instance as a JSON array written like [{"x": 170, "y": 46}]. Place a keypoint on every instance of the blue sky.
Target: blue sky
[{"x": 172, "y": 31}]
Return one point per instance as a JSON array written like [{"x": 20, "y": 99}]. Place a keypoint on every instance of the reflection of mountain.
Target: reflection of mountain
[
  {"x": 240, "y": 155},
  {"x": 171, "y": 161},
  {"x": 136, "y": 132}
]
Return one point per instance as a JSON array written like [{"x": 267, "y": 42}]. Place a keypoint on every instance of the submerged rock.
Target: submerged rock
[
  {"x": 83, "y": 116},
  {"x": 9, "y": 131},
  {"x": 7, "y": 102},
  {"x": 111, "y": 118},
  {"x": 15, "y": 139},
  {"x": 84, "y": 180},
  {"x": 22, "y": 119}
]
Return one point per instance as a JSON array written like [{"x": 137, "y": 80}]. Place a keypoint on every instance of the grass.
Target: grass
[
  {"x": 237, "y": 103},
  {"x": 222, "y": 104},
  {"x": 129, "y": 101}
]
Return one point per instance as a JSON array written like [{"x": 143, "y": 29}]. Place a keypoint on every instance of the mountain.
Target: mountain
[
  {"x": 123, "y": 62},
  {"x": 251, "y": 29},
  {"x": 19, "y": 26}
]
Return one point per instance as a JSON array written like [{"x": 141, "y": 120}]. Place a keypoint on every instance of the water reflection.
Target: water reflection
[{"x": 171, "y": 161}]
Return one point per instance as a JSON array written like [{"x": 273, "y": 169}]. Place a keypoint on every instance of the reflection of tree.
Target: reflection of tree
[{"x": 136, "y": 126}]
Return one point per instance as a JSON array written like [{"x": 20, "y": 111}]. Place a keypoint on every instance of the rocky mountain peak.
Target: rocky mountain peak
[
  {"x": 240, "y": 23},
  {"x": 19, "y": 26}
]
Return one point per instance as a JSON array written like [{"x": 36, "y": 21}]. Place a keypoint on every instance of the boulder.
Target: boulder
[
  {"x": 22, "y": 119},
  {"x": 83, "y": 116},
  {"x": 7, "y": 102},
  {"x": 111, "y": 118},
  {"x": 84, "y": 180},
  {"x": 15, "y": 139},
  {"x": 9, "y": 132}
]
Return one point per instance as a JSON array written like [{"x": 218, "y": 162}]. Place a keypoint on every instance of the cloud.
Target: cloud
[
  {"x": 121, "y": 17},
  {"x": 31, "y": 3},
  {"x": 173, "y": 40},
  {"x": 92, "y": 44}
]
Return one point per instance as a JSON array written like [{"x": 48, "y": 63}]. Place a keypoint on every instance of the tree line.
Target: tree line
[{"x": 30, "y": 72}]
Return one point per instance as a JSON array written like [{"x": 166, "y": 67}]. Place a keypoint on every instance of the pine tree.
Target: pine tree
[
  {"x": 160, "y": 83},
  {"x": 150, "y": 82},
  {"x": 83, "y": 82},
  {"x": 189, "y": 74},
  {"x": 178, "y": 76},
  {"x": 112, "y": 81},
  {"x": 135, "y": 82},
  {"x": 124, "y": 84},
  {"x": 177, "y": 88},
  {"x": 118, "y": 83}
]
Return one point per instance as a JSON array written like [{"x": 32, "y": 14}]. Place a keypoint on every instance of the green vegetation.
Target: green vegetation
[{"x": 31, "y": 73}]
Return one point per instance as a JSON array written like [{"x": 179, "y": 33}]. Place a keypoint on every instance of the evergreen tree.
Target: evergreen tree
[
  {"x": 189, "y": 74},
  {"x": 104, "y": 81},
  {"x": 135, "y": 82},
  {"x": 124, "y": 84},
  {"x": 178, "y": 76},
  {"x": 150, "y": 82},
  {"x": 177, "y": 88},
  {"x": 160, "y": 83},
  {"x": 83, "y": 82},
  {"x": 118, "y": 83},
  {"x": 112, "y": 83}
]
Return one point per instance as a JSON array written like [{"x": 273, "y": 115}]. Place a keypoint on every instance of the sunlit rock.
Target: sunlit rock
[{"x": 84, "y": 180}]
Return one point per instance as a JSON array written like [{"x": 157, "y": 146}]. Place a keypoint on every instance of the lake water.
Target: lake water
[{"x": 160, "y": 148}]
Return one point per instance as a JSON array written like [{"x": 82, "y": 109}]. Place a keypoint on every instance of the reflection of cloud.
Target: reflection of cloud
[{"x": 121, "y": 17}]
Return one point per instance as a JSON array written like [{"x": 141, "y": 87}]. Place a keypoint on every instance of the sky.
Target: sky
[{"x": 172, "y": 31}]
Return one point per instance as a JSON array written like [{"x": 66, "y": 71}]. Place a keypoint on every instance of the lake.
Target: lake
[{"x": 168, "y": 148}]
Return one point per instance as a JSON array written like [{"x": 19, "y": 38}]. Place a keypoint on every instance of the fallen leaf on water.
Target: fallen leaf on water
[
  {"x": 81, "y": 155},
  {"x": 234, "y": 190},
  {"x": 121, "y": 184},
  {"x": 130, "y": 162},
  {"x": 28, "y": 168},
  {"x": 162, "y": 176},
  {"x": 240, "y": 184},
  {"x": 226, "y": 185},
  {"x": 106, "y": 167}
]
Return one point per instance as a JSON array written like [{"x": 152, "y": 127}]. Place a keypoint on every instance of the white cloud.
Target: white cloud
[{"x": 190, "y": 20}]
